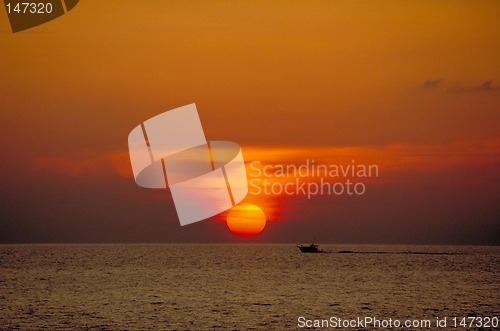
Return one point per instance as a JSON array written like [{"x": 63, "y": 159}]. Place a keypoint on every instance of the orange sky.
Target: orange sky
[{"x": 413, "y": 86}]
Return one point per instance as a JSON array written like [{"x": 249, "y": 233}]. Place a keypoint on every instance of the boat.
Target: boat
[{"x": 310, "y": 249}]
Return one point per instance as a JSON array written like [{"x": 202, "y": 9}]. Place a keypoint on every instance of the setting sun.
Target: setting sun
[{"x": 246, "y": 220}]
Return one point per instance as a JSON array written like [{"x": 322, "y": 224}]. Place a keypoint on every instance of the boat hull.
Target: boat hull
[{"x": 310, "y": 249}]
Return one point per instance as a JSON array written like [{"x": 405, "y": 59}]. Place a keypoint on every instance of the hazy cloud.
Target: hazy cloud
[
  {"x": 486, "y": 86},
  {"x": 432, "y": 83},
  {"x": 86, "y": 162}
]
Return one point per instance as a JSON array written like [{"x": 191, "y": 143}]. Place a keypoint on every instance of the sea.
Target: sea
[{"x": 247, "y": 287}]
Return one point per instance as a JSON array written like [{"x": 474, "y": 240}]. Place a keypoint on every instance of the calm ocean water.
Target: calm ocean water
[{"x": 238, "y": 287}]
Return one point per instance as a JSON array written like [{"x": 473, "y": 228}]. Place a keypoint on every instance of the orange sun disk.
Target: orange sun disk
[{"x": 246, "y": 220}]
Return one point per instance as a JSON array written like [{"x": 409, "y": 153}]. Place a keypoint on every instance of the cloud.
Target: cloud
[
  {"x": 86, "y": 162},
  {"x": 486, "y": 86},
  {"x": 392, "y": 158},
  {"x": 406, "y": 158},
  {"x": 432, "y": 83}
]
